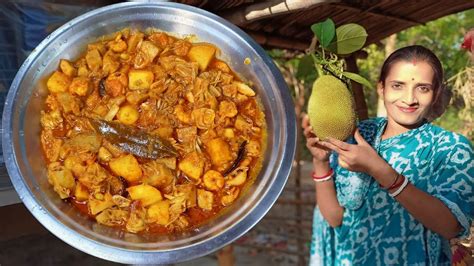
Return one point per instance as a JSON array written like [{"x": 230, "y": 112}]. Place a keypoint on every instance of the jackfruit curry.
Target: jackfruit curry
[{"x": 150, "y": 133}]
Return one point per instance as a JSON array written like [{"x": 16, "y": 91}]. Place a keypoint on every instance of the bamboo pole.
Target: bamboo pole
[{"x": 267, "y": 9}]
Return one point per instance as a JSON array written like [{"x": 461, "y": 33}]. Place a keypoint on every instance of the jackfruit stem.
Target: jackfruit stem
[{"x": 317, "y": 66}]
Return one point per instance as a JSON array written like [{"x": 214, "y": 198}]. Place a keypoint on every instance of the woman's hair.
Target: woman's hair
[{"x": 441, "y": 95}]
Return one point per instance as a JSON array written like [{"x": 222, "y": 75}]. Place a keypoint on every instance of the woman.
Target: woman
[{"x": 404, "y": 187}]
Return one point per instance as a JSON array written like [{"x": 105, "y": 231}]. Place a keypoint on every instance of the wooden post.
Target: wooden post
[
  {"x": 225, "y": 256},
  {"x": 361, "y": 106}
]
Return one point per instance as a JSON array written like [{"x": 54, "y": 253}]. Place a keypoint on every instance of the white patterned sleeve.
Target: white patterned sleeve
[{"x": 453, "y": 182}]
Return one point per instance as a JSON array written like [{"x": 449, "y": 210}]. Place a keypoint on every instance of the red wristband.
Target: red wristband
[
  {"x": 398, "y": 184},
  {"x": 324, "y": 176}
]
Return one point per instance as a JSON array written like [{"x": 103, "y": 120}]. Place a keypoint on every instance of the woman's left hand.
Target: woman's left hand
[{"x": 360, "y": 157}]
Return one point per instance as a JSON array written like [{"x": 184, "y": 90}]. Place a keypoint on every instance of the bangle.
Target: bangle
[
  {"x": 393, "y": 183},
  {"x": 325, "y": 177},
  {"x": 400, "y": 189},
  {"x": 398, "y": 183}
]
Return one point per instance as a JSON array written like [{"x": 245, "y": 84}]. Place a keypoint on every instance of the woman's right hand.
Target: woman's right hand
[{"x": 319, "y": 152}]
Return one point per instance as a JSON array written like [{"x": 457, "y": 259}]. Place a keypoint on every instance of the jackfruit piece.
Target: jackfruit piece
[
  {"x": 96, "y": 205},
  {"x": 80, "y": 86},
  {"x": 116, "y": 83},
  {"x": 112, "y": 217},
  {"x": 331, "y": 109},
  {"x": 157, "y": 174},
  {"x": 94, "y": 60},
  {"x": 205, "y": 199},
  {"x": 67, "y": 68},
  {"x": 110, "y": 64},
  {"x": 202, "y": 54},
  {"x": 62, "y": 180},
  {"x": 230, "y": 196},
  {"x": 147, "y": 194}
]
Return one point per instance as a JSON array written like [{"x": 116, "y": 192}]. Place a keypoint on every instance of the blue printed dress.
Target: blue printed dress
[{"x": 376, "y": 229}]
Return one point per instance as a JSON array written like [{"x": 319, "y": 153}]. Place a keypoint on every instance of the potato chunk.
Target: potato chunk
[
  {"x": 205, "y": 199},
  {"x": 159, "y": 212},
  {"x": 67, "y": 68},
  {"x": 128, "y": 115},
  {"x": 147, "y": 194},
  {"x": 81, "y": 193},
  {"x": 140, "y": 79},
  {"x": 80, "y": 86},
  {"x": 219, "y": 151},
  {"x": 127, "y": 167},
  {"x": 202, "y": 54},
  {"x": 192, "y": 165},
  {"x": 58, "y": 82}
]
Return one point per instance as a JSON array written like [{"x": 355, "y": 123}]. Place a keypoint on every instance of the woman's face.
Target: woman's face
[{"x": 408, "y": 92}]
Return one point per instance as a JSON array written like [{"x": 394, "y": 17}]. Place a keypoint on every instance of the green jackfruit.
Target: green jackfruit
[{"x": 331, "y": 109}]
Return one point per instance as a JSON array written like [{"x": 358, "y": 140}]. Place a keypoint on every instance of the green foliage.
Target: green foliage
[
  {"x": 344, "y": 40},
  {"x": 444, "y": 37},
  {"x": 450, "y": 120},
  {"x": 349, "y": 38},
  {"x": 305, "y": 67},
  {"x": 324, "y": 31},
  {"x": 357, "y": 78}
]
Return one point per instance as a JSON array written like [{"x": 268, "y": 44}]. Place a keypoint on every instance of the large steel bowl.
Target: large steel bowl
[{"x": 26, "y": 165}]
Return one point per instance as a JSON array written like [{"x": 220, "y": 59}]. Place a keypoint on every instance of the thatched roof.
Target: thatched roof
[{"x": 286, "y": 24}]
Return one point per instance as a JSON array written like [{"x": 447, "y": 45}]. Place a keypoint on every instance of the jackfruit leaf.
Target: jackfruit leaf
[
  {"x": 357, "y": 78},
  {"x": 349, "y": 38},
  {"x": 305, "y": 67},
  {"x": 324, "y": 31}
]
